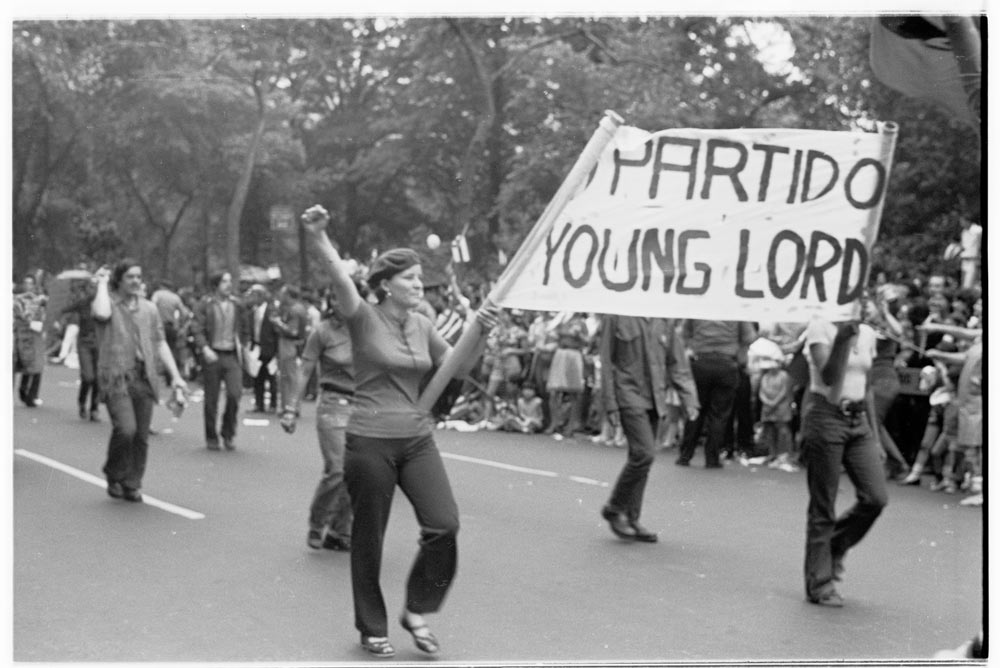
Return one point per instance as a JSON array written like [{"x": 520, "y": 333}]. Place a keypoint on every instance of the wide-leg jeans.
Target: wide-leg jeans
[
  {"x": 832, "y": 440},
  {"x": 373, "y": 468},
  {"x": 331, "y": 504},
  {"x": 131, "y": 415}
]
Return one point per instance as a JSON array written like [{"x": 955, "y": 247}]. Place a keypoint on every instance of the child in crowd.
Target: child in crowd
[
  {"x": 775, "y": 395},
  {"x": 528, "y": 417},
  {"x": 933, "y": 379},
  {"x": 671, "y": 428}
]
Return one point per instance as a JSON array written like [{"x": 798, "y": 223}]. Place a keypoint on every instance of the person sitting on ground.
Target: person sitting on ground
[{"x": 528, "y": 416}]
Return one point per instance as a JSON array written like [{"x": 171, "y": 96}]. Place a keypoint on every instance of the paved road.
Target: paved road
[{"x": 219, "y": 571}]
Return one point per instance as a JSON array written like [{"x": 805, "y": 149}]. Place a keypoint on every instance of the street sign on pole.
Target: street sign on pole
[{"x": 282, "y": 218}]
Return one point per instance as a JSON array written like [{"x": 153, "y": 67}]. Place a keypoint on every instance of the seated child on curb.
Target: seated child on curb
[{"x": 528, "y": 418}]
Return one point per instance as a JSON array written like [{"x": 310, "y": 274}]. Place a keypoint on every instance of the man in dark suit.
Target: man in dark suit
[
  {"x": 641, "y": 358},
  {"x": 218, "y": 328},
  {"x": 264, "y": 340}
]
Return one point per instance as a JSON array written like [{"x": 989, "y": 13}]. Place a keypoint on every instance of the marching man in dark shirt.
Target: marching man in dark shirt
[{"x": 640, "y": 359}]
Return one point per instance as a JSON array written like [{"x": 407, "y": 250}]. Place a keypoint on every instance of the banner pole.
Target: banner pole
[
  {"x": 466, "y": 344},
  {"x": 888, "y": 130}
]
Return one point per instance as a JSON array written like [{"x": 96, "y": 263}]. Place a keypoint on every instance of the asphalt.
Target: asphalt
[{"x": 214, "y": 566}]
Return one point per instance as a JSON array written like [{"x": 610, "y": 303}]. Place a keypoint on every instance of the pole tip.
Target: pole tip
[{"x": 614, "y": 117}]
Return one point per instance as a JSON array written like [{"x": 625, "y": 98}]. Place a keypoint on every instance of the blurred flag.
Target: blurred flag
[
  {"x": 459, "y": 250},
  {"x": 935, "y": 58}
]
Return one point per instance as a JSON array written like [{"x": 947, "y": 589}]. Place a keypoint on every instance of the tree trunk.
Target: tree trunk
[{"x": 239, "y": 199}]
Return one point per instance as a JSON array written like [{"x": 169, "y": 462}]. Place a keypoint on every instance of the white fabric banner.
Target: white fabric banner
[{"x": 713, "y": 224}]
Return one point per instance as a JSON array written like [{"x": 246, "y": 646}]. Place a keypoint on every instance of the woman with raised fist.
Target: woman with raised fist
[{"x": 390, "y": 438}]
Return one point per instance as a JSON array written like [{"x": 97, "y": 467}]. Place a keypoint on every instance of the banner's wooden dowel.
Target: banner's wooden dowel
[{"x": 467, "y": 343}]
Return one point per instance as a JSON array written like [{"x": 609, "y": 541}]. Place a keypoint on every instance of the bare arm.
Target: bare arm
[
  {"x": 314, "y": 222},
  {"x": 954, "y": 330},
  {"x": 167, "y": 357},
  {"x": 100, "y": 308},
  {"x": 832, "y": 359}
]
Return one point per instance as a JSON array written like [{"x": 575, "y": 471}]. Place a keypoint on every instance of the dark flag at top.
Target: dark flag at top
[{"x": 936, "y": 58}]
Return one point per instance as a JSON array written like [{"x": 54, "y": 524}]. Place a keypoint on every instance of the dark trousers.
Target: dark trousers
[
  {"x": 130, "y": 417},
  {"x": 224, "y": 370},
  {"x": 716, "y": 378},
  {"x": 640, "y": 430},
  {"x": 373, "y": 468},
  {"x": 88, "y": 377},
  {"x": 30, "y": 384},
  {"x": 265, "y": 380},
  {"x": 832, "y": 440},
  {"x": 738, "y": 436}
]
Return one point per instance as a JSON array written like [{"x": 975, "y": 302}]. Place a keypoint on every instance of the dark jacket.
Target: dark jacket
[
  {"x": 640, "y": 359},
  {"x": 267, "y": 339},
  {"x": 203, "y": 327}
]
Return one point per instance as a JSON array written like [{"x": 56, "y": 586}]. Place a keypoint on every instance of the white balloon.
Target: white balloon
[{"x": 433, "y": 241}]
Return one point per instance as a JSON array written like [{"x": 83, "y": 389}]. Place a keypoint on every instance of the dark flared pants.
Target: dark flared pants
[
  {"x": 831, "y": 440},
  {"x": 225, "y": 370},
  {"x": 373, "y": 468},
  {"x": 130, "y": 415},
  {"x": 639, "y": 427}
]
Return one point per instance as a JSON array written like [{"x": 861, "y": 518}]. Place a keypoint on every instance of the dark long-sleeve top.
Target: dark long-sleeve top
[
  {"x": 640, "y": 359},
  {"x": 207, "y": 321}
]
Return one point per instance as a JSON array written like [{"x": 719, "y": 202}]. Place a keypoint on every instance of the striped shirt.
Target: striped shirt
[{"x": 449, "y": 324}]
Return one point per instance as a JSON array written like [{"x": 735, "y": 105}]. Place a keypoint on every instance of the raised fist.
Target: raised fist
[{"x": 315, "y": 218}]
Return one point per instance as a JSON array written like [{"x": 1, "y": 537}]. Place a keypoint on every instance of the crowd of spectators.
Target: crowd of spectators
[{"x": 541, "y": 371}]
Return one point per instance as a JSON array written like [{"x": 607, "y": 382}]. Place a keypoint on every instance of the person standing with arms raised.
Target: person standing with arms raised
[
  {"x": 130, "y": 339},
  {"x": 390, "y": 441}
]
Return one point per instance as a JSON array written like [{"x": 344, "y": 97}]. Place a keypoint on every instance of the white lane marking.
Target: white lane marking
[
  {"x": 509, "y": 467},
  {"x": 94, "y": 480},
  {"x": 588, "y": 481},
  {"x": 522, "y": 469}
]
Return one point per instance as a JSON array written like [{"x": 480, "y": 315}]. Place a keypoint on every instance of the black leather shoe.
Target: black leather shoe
[
  {"x": 229, "y": 443},
  {"x": 132, "y": 495},
  {"x": 682, "y": 462},
  {"x": 83, "y": 413},
  {"x": 644, "y": 535},
  {"x": 212, "y": 444},
  {"x": 115, "y": 490},
  {"x": 619, "y": 524}
]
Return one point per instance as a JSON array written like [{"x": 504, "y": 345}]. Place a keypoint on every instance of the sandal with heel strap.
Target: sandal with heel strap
[
  {"x": 379, "y": 647},
  {"x": 425, "y": 643}
]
